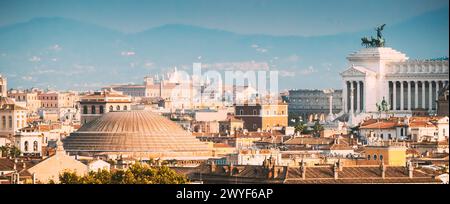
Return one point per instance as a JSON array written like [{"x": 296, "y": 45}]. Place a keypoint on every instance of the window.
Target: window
[
  {"x": 401, "y": 131},
  {"x": 10, "y": 121},
  {"x": 93, "y": 109},
  {"x": 118, "y": 107},
  {"x": 25, "y": 146},
  {"x": 111, "y": 108},
  {"x": 101, "y": 109},
  {"x": 35, "y": 146},
  {"x": 125, "y": 108},
  {"x": 368, "y": 157},
  {"x": 381, "y": 157},
  {"x": 85, "y": 111},
  {"x": 254, "y": 112},
  {"x": 374, "y": 157},
  {"x": 4, "y": 122},
  {"x": 241, "y": 112}
]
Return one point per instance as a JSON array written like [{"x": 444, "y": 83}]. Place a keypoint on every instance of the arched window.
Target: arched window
[
  {"x": 93, "y": 109},
  {"x": 125, "y": 108},
  {"x": 85, "y": 111},
  {"x": 101, "y": 109},
  {"x": 25, "y": 146},
  {"x": 368, "y": 157},
  {"x": 118, "y": 107},
  {"x": 111, "y": 108},
  {"x": 381, "y": 157},
  {"x": 10, "y": 121},
  {"x": 35, "y": 146},
  {"x": 374, "y": 157}
]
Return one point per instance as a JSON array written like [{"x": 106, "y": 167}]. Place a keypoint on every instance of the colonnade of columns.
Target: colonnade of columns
[
  {"x": 353, "y": 96},
  {"x": 424, "y": 96}
]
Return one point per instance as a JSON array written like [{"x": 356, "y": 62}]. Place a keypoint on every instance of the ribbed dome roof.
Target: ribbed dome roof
[{"x": 134, "y": 131}]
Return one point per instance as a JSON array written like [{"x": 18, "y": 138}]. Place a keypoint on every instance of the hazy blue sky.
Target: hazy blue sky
[
  {"x": 275, "y": 17},
  {"x": 58, "y": 52}
]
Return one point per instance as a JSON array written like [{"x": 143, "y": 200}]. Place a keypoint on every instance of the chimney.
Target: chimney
[
  {"x": 335, "y": 171},
  {"x": 33, "y": 178},
  {"x": 230, "y": 172},
  {"x": 274, "y": 172},
  {"x": 213, "y": 167},
  {"x": 383, "y": 169},
  {"x": 410, "y": 170},
  {"x": 303, "y": 169},
  {"x": 340, "y": 164}
]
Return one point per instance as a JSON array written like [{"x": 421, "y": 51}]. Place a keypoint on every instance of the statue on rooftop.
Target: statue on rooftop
[{"x": 374, "y": 42}]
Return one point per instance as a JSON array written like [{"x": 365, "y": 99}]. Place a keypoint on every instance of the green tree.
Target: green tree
[
  {"x": 9, "y": 151},
  {"x": 135, "y": 174},
  {"x": 317, "y": 128},
  {"x": 300, "y": 127}
]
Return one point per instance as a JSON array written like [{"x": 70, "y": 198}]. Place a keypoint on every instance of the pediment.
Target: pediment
[{"x": 352, "y": 71}]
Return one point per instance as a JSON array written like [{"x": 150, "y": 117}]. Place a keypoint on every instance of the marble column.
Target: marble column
[
  {"x": 345, "y": 97},
  {"x": 352, "y": 102},
  {"x": 358, "y": 97},
  {"x": 416, "y": 90},
  {"x": 437, "y": 89},
  {"x": 423, "y": 94},
  {"x": 430, "y": 99},
  {"x": 394, "y": 95},
  {"x": 331, "y": 104},
  {"x": 402, "y": 102},
  {"x": 409, "y": 95}
]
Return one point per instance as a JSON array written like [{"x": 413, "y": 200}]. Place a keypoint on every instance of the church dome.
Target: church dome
[{"x": 133, "y": 131}]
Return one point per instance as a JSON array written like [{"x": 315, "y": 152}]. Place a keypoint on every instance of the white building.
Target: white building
[
  {"x": 29, "y": 143},
  {"x": 12, "y": 117},
  {"x": 429, "y": 129},
  {"x": 383, "y": 130},
  {"x": 374, "y": 74},
  {"x": 97, "y": 165}
]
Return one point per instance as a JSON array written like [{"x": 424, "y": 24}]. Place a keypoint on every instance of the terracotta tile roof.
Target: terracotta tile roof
[
  {"x": 358, "y": 174},
  {"x": 382, "y": 125},
  {"x": 221, "y": 145},
  {"x": 340, "y": 147},
  {"x": 309, "y": 141},
  {"x": 421, "y": 123}
]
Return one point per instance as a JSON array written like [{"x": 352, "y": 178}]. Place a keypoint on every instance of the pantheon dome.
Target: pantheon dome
[{"x": 136, "y": 133}]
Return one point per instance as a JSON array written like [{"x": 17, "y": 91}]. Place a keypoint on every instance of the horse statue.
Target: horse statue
[
  {"x": 366, "y": 42},
  {"x": 374, "y": 42}
]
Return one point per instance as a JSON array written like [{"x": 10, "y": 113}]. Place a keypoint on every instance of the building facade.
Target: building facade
[
  {"x": 128, "y": 89},
  {"x": 381, "y": 73},
  {"x": 26, "y": 98},
  {"x": 263, "y": 117},
  {"x": 442, "y": 102},
  {"x": 313, "y": 104},
  {"x": 12, "y": 117},
  {"x": 3, "y": 86},
  {"x": 95, "y": 105}
]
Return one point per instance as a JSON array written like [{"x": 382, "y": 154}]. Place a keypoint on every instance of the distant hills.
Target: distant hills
[{"x": 67, "y": 54}]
